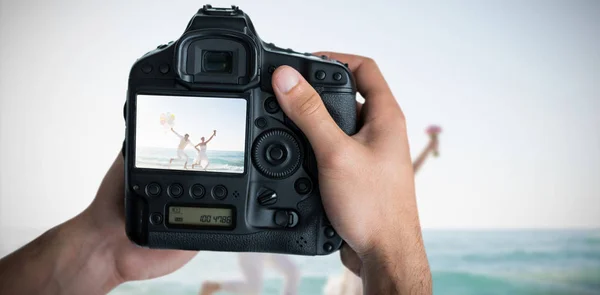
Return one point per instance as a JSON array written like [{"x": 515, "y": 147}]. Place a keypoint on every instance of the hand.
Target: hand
[
  {"x": 89, "y": 254},
  {"x": 366, "y": 180},
  {"x": 434, "y": 143},
  {"x": 106, "y": 218}
]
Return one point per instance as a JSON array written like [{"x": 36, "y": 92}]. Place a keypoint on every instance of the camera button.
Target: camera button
[
  {"x": 328, "y": 247},
  {"x": 271, "y": 69},
  {"x": 147, "y": 68},
  {"x": 175, "y": 190},
  {"x": 303, "y": 186},
  {"x": 337, "y": 76},
  {"x": 164, "y": 68},
  {"x": 219, "y": 192},
  {"x": 197, "y": 191},
  {"x": 320, "y": 75},
  {"x": 276, "y": 154},
  {"x": 271, "y": 105},
  {"x": 260, "y": 122},
  {"x": 281, "y": 218},
  {"x": 329, "y": 232},
  {"x": 285, "y": 218},
  {"x": 153, "y": 189},
  {"x": 156, "y": 218}
]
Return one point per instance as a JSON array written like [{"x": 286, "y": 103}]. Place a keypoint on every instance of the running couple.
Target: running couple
[{"x": 201, "y": 158}]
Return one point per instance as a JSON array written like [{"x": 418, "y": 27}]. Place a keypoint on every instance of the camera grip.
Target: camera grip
[{"x": 342, "y": 108}]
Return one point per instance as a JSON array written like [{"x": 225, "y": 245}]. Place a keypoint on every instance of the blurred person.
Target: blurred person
[
  {"x": 252, "y": 266},
  {"x": 183, "y": 142}
]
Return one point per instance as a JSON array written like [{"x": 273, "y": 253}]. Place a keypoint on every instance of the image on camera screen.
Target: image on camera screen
[{"x": 190, "y": 133}]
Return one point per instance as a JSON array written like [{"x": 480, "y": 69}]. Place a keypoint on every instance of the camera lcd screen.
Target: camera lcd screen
[
  {"x": 201, "y": 216},
  {"x": 190, "y": 133}
]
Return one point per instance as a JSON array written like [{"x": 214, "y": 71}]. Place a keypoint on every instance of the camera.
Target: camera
[{"x": 211, "y": 161}]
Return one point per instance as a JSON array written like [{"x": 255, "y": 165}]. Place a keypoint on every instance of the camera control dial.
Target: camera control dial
[{"x": 276, "y": 154}]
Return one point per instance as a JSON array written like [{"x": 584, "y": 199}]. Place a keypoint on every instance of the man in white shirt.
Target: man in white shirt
[{"x": 184, "y": 141}]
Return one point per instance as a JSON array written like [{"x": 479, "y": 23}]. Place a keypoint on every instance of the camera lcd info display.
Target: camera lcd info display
[
  {"x": 190, "y": 133},
  {"x": 197, "y": 216}
]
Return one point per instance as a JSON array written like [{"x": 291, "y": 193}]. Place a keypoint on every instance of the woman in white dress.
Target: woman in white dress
[{"x": 201, "y": 158}]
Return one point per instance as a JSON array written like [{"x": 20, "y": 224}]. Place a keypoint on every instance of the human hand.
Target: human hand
[
  {"x": 88, "y": 254},
  {"x": 105, "y": 218},
  {"x": 434, "y": 132},
  {"x": 366, "y": 180}
]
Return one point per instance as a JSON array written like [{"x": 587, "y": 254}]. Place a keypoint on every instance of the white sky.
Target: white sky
[
  {"x": 514, "y": 84},
  {"x": 195, "y": 116}
]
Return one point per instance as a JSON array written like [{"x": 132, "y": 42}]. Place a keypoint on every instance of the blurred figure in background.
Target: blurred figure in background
[
  {"x": 252, "y": 266},
  {"x": 350, "y": 284}
]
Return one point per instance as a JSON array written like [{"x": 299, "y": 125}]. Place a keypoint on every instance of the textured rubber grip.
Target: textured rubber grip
[{"x": 342, "y": 107}]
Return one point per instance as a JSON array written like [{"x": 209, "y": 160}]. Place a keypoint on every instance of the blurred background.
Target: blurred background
[{"x": 511, "y": 205}]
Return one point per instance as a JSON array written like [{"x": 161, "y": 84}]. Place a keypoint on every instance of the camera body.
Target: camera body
[{"x": 252, "y": 186}]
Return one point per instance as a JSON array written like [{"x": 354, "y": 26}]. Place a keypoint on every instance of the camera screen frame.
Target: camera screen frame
[{"x": 132, "y": 131}]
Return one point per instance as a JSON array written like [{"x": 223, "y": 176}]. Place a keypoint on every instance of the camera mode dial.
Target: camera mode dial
[{"x": 276, "y": 154}]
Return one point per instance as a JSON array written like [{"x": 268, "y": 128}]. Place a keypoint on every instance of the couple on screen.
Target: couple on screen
[{"x": 201, "y": 158}]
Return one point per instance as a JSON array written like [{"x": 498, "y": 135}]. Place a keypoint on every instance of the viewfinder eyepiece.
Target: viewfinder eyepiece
[{"x": 217, "y": 62}]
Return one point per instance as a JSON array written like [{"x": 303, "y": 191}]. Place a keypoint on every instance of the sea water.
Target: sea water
[
  {"x": 462, "y": 262},
  {"x": 220, "y": 161}
]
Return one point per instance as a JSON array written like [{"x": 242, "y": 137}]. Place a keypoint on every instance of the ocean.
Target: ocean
[
  {"x": 553, "y": 262},
  {"x": 220, "y": 161}
]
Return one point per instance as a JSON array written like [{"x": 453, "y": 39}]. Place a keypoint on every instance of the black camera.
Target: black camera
[{"x": 212, "y": 163}]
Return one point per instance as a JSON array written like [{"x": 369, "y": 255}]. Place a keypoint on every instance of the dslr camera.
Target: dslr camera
[{"x": 212, "y": 162}]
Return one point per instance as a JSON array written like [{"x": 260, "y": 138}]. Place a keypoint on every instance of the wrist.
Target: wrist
[
  {"x": 68, "y": 259},
  {"x": 397, "y": 264},
  {"x": 85, "y": 259}
]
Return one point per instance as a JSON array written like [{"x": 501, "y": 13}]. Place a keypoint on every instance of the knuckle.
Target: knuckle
[
  {"x": 370, "y": 61},
  {"x": 309, "y": 105}
]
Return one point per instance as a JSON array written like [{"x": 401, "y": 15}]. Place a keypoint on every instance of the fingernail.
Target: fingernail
[{"x": 286, "y": 79}]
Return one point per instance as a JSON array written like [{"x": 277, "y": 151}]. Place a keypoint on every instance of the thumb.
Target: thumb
[{"x": 304, "y": 106}]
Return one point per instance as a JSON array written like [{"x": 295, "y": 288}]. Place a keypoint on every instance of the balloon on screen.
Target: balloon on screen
[{"x": 167, "y": 120}]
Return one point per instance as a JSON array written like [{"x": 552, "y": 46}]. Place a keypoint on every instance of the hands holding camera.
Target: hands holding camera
[{"x": 366, "y": 182}]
